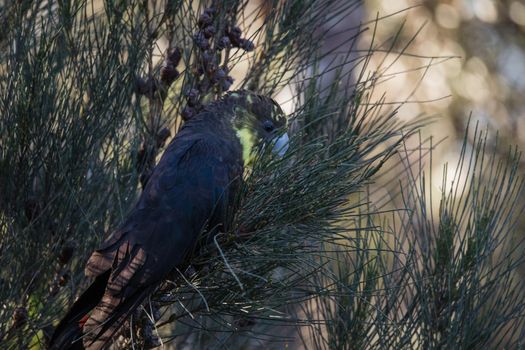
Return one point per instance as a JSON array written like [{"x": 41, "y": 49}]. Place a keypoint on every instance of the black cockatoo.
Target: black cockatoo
[{"x": 191, "y": 190}]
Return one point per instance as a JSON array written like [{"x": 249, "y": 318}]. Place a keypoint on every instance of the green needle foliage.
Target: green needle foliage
[
  {"x": 89, "y": 93},
  {"x": 466, "y": 292},
  {"x": 427, "y": 278}
]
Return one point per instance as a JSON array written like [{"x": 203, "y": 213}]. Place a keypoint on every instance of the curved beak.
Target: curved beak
[{"x": 281, "y": 145}]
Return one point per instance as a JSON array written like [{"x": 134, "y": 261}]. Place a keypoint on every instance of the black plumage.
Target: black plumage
[{"x": 191, "y": 191}]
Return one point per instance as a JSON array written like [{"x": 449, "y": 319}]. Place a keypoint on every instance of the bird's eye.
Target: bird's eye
[{"x": 268, "y": 126}]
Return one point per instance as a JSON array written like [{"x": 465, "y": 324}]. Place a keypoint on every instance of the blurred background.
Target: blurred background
[
  {"x": 474, "y": 66},
  {"x": 464, "y": 60}
]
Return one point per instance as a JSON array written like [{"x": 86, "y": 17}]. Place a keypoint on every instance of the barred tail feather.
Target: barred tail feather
[{"x": 68, "y": 333}]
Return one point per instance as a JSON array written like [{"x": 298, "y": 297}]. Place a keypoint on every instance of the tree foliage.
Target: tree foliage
[{"x": 318, "y": 255}]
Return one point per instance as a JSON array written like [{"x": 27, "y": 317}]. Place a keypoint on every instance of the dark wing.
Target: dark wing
[{"x": 188, "y": 190}]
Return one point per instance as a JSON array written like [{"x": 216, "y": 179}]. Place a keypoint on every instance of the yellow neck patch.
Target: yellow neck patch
[{"x": 247, "y": 139}]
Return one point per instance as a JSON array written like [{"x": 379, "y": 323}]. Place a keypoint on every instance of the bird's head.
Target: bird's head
[{"x": 258, "y": 116}]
